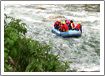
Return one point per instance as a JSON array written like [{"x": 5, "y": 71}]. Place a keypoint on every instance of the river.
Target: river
[{"x": 83, "y": 52}]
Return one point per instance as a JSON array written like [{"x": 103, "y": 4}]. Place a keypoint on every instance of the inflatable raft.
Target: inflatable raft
[{"x": 70, "y": 33}]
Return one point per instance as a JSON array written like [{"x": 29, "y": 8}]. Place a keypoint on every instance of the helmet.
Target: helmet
[
  {"x": 63, "y": 22},
  {"x": 79, "y": 22}
]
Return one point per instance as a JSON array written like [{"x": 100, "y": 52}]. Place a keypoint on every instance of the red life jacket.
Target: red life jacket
[
  {"x": 64, "y": 28},
  {"x": 57, "y": 23},
  {"x": 78, "y": 26}
]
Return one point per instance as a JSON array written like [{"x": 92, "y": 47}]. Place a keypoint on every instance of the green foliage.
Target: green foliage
[{"x": 24, "y": 54}]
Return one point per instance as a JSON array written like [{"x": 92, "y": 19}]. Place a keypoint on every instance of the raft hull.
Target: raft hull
[{"x": 70, "y": 33}]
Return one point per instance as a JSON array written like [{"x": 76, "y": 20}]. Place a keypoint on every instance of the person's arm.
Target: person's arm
[{"x": 72, "y": 25}]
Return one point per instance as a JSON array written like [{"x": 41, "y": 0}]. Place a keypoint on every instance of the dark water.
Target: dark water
[{"x": 84, "y": 51}]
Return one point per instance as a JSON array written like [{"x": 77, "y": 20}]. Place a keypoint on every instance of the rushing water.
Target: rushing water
[{"x": 83, "y": 52}]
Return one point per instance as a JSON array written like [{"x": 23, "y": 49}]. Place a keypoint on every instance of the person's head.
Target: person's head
[
  {"x": 58, "y": 20},
  {"x": 67, "y": 21},
  {"x": 71, "y": 21}
]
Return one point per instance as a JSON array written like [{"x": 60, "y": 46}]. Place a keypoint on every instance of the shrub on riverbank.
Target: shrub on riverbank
[{"x": 24, "y": 54}]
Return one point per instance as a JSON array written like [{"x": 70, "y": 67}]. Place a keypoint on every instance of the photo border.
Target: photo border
[
  {"x": 0, "y": 38},
  {"x": 60, "y": 73}
]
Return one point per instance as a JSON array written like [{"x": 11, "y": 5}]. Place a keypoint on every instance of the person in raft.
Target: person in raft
[
  {"x": 68, "y": 23},
  {"x": 63, "y": 27},
  {"x": 78, "y": 27},
  {"x": 57, "y": 24},
  {"x": 72, "y": 26}
]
